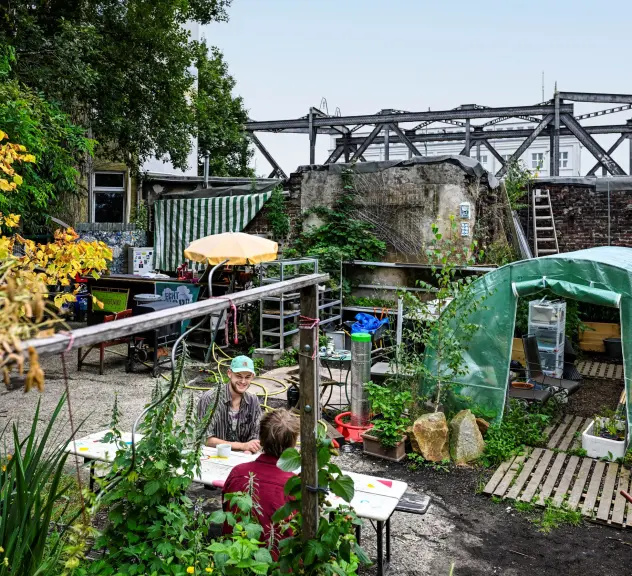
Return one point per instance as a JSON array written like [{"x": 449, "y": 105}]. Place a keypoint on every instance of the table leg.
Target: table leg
[
  {"x": 388, "y": 541},
  {"x": 380, "y": 550},
  {"x": 358, "y": 531},
  {"x": 92, "y": 464}
]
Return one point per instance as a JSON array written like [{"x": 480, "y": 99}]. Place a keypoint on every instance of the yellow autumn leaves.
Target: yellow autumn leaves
[{"x": 9, "y": 154}]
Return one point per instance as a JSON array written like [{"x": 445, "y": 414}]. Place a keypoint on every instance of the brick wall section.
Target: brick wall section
[
  {"x": 260, "y": 225},
  {"x": 581, "y": 217}
]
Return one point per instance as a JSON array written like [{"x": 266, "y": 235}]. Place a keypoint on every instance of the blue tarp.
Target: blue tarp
[{"x": 367, "y": 323}]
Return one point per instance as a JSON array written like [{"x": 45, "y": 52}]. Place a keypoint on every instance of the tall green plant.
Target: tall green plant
[
  {"x": 517, "y": 182},
  {"x": 27, "y": 509},
  {"x": 444, "y": 324},
  {"x": 277, "y": 215}
]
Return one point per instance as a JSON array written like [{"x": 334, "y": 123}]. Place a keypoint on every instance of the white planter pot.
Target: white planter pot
[{"x": 597, "y": 447}]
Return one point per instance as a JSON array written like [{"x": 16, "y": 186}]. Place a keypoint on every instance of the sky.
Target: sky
[{"x": 366, "y": 55}]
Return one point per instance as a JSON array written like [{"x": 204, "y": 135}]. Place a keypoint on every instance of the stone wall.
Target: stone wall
[{"x": 581, "y": 216}]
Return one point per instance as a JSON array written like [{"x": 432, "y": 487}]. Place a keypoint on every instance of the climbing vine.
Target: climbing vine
[
  {"x": 341, "y": 236},
  {"x": 277, "y": 215}
]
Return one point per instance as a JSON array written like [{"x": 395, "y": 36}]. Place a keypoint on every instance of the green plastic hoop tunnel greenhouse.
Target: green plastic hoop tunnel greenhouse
[{"x": 601, "y": 276}]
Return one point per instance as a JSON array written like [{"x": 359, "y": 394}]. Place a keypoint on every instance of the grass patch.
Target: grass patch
[{"x": 550, "y": 517}]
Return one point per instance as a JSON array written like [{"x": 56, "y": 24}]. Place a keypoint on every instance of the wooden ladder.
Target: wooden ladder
[{"x": 544, "y": 235}]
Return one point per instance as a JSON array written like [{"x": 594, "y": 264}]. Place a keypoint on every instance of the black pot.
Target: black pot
[{"x": 613, "y": 348}]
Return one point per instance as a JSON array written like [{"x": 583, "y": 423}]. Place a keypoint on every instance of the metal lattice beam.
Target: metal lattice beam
[
  {"x": 367, "y": 142},
  {"x": 494, "y": 152},
  {"x": 527, "y": 142},
  {"x": 592, "y": 146},
  {"x": 404, "y": 139},
  {"x": 277, "y": 169},
  {"x": 398, "y": 118},
  {"x": 604, "y": 112},
  {"x": 596, "y": 97},
  {"x": 612, "y": 148}
]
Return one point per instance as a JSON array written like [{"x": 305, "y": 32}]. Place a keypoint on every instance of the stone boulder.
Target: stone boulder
[
  {"x": 430, "y": 432},
  {"x": 466, "y": 440},
  {"x": 483, "y": 425}
]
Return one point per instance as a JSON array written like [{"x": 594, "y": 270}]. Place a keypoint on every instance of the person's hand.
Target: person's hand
[{"x": 252, "y": 446}]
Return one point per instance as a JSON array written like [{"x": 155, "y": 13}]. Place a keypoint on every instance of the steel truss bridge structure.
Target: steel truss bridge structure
[{"x": 554, "y": 118}]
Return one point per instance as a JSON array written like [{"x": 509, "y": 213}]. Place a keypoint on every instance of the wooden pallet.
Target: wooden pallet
[
  {"x": 565, "y": 434},
  {"x": 541, "y": 475},
  {"x": 590, "y": 369}
]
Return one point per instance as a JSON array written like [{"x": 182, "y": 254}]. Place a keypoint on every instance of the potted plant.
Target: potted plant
[
  {"x": 605, "y": 437},
  {"x": 387, "y": 438}
]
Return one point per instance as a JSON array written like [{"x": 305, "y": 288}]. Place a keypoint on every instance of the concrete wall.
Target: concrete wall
[{"x": 401, "y": 202}]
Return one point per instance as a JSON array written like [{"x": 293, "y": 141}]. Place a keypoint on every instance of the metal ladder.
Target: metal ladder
[{"x": 544, "y": 235}]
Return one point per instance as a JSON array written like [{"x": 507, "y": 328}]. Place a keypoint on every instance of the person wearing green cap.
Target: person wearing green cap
[{"x": 238, "y": 414}]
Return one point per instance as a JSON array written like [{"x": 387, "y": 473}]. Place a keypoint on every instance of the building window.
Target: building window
[
  {"x": 507, "y": 157},
  {"x": 537, "y": 160},
  {"x": 563, "y": 159},
  {"x": 483, "y": 159},
  {"x": 108, "y": 197}
]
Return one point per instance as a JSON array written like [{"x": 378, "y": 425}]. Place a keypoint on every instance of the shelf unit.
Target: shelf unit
[
  {"x": 547, "y": 322},
  {"x": 279, "y": 315}
]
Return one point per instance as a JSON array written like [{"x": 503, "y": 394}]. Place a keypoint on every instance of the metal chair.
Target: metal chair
[
  {"x": 534, "y": 368},
  {"x": 103, "y": 345}
]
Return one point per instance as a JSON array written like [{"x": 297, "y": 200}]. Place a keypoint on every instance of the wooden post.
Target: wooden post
[{"x": 309, "y": 385}]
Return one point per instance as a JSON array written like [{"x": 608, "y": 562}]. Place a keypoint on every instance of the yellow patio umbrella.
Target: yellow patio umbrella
[{"x": 232, "y": 248}]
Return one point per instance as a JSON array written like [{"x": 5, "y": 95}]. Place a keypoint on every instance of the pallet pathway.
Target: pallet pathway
[
  {"x": 591, "y": 369},
  {"x": 551, "y": 474}
]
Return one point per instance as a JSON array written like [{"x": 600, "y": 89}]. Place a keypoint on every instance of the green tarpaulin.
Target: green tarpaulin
[
  {"x": 179, "y": 222},
  {"x": 600, "y": 276}
]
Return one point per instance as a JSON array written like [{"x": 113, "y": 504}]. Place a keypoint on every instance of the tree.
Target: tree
[
  {"x": 121, "y": 68},
  {"x": 47, "y": 184},
  {"x": 220, "y": 117}
]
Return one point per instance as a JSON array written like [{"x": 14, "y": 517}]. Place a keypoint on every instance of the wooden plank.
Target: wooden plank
[
  {"x": 497, "y": 476},
  {"x": 618, "y": 373},
  {"x": 136, "y": 324},
  {"x": 524, "y": 474},
  {"x": 565, "y": 482},
  {"x": 532, "y": 487},
  {"x": 619, "y": 501},
  {"x": 593, "y": 488},
  {"x": 578, "y": 487},
  {"x": 581, "y": 366},
  {"x": 310, "y": 412},
  {"x": 509, "y": 476},
  {"x": 607, "y": 494},
  {"x": 610, "y": 371},
  {"x": 593, "y": 370},
  {"x": 601, "y": 372},
  {"x": 570, "y": 435},
  {"x": 555, "y": 438},
  {"x": 592, "y": 339},
  {"x": 551, "y": 479},
  {"x": 577, "y": 441}
]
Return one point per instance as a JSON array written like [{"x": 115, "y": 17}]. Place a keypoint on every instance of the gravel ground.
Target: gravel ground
[{"x": 479, "y": 536}]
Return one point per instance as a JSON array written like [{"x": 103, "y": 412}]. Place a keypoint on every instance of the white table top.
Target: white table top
[{"x": 375, "y": 498}]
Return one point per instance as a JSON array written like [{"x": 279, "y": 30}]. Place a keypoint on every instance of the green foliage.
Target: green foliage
[
  {"x": 517, "y": 182},
  {"x": 417, "y": 461},
  {"x": 334, "y": 550},
  {"x": 554, "y": 517},
  {"x": 519, "y": 428},
  {"x": 288, "y": 358},
  {"x": 33, "y": 491},
  {"x": 277, "y": 215},
  {"x": 140, "y": 216},
  {"x": 392, "y": 408},
  {"x": 153, "y": 525},
  {"x": 369, "y": 302},
  {"x": 445, "y": 339},
  {"x": 58, "y": 146},
  {"x": 120, "y": 68},
  {"x": 341, "y": 236},
  {"x": 220, "y": 117},
  {"x": 259, "y": 365}
]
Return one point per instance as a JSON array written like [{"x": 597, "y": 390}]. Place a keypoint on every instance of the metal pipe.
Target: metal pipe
[
  {"x": 387, "y": 151},
  {"x": 206, "y": 169},
  {"x": 360, "y": 375}
]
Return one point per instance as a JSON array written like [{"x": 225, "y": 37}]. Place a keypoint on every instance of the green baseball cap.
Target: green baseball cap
[{"x": 242, "y": 364}]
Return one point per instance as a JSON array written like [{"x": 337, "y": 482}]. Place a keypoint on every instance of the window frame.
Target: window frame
[{"x": 124, "y": 191}]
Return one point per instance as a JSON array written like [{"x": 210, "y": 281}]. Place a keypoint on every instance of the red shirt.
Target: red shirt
[{"x": 268, "y": 494}]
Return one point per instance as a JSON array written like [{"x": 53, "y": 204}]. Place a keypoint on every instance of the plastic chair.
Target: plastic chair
[
  {"x": 534, "y": 368},
  {"x": 103, "y": 345}
]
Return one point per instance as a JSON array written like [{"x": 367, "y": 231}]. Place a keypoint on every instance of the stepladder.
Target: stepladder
[{"x": 544, "y": 233}]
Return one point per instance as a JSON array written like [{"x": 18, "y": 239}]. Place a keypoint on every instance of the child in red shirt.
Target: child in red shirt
[{"x": 279, "y": 431}]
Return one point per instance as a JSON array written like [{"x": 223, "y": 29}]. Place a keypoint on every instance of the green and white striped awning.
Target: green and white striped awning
[{"x": 178, "y": 222}]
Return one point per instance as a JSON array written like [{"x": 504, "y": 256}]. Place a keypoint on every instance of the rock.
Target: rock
[
  {"x": 413, "y": 441},
  {"x": 483, "y": 425},
  {"x": 431, "y": 434},
  {"x": 466, "y": 440}
]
